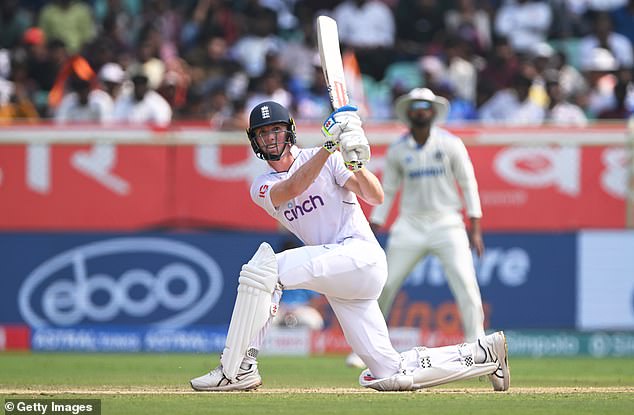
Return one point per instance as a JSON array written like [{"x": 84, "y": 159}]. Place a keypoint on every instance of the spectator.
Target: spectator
[
  {"x": 561, "y": 112},
  {"x": 460, "y": 109},
  {"x": 420, "y": 28},
  {"x": 15, "y": 104},
  {"x": 571, "y": 80},
  {"x": 568, "y": 21},
  {"x": 355, "y": 17},
  {"x": 434, "y": 72},
  {"x": 118, "y": 21},
  {"x": 623, "y": 20},
  {"x": 501, "y": 65},
  {"x": 43, "y": 61},
  {"x": 524, "y": 22},
  {"x": 471, "y": 24},
  {"x": 512, "y": 105},
  {"x": 14, "y": 20},
  {"x": 313, "y": 102},
  {"x": 251, "y": 50},
  {"x": 148, "y": 61},
  {"x": 604, "y": 37},
  {"x": 269, "y": 88},
  {"x": 211, "y": 66},
  {"x": 209, "y": 19},
  {"x": 80, "y": 104},
  {"x": 142, "y": 104},
  {"x": 68, "y": 20},
  {"x": 111, "y": 76},
  {"x": 166, "y": 17},
  {"x": 461, "y": 73},
  {"x": 221, "y": 111},
  {"x": 620, "y": 111},
  {"x": 297, "y": 56},
  {"x": 173, "y": 89},
  {"x": 538, "y": 62},
  {"x": 103, "y": 49},
  {"x": 599, "y": 67},
  {"x": 368, "y": 27}
]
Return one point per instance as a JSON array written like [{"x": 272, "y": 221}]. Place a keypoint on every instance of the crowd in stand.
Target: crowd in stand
[{"x": 516, "y": 62}]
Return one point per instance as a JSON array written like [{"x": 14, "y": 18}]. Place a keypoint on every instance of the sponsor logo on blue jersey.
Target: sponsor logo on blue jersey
[{"x": 427, "y": 172}]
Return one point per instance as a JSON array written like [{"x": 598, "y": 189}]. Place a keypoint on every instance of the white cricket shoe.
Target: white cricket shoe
[
  {"x": 496, "y": 350},
  {"x": 397, "y": 382},
  {"x": 247, "y": 378},
  {"x": 353, "y": 360}
]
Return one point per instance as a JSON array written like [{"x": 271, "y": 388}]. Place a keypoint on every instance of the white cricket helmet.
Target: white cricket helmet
[{"x": 440, "y": 104}]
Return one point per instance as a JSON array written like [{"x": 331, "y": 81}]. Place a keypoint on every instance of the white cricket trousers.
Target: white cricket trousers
[
  {"x": 351, "y": 275},
  {"x": 413, "y": 237}
]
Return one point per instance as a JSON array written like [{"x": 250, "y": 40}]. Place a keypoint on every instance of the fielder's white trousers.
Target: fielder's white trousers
[
  {"x": 351, "y": 275},
  {"x": 413, "y": 237}
]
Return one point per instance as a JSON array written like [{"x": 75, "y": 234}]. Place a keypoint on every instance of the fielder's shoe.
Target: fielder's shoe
[
  {"x": 353, "y": 360},
  {"x": 496, "y": 350},
  {"x": 248, "y": 378}
]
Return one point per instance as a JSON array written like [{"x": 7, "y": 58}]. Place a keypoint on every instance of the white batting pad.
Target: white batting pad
[{"x": 252, "y": 308}]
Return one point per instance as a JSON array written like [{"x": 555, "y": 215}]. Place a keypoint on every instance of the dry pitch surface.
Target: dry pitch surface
[{"x": 557, "y": 390}]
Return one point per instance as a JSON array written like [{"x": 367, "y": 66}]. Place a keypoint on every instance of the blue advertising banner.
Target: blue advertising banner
[
  {"x": 526, "y": 281},
  {"x": 161, "y": 280},
  {"x": 184, "y": 280}
]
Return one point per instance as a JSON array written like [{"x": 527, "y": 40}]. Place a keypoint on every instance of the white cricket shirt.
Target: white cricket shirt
[
  {"x": 326, "y": 212},
  {"x": 429, "y": 174}
]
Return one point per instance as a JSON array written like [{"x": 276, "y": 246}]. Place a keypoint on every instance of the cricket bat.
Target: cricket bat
[{"x": 332, "y": 65}]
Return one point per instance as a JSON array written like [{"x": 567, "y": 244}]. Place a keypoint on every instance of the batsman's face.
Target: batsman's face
[
  {"x": 272, "y": 138},
  {"x": 421, "y": 113}
]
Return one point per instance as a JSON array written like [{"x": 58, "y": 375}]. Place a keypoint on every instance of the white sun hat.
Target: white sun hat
[
  {"x": 440, "y": 104},
  {"x": 112, "y": 72},
  {"x": 600, "y": 60}
]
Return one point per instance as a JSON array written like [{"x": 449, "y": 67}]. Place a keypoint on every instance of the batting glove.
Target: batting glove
[
  {"x": 355, "y": 148},
  {"x": 340, "y": 120}
]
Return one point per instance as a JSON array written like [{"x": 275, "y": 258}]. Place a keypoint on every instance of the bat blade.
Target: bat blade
[{"x": 331, "y": 63}]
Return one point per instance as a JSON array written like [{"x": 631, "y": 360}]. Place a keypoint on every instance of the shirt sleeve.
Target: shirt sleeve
[
  {"x": 465, "y": 176},
  {"x": 261, "y": 193},
  {"x": 392, "y": 178}
]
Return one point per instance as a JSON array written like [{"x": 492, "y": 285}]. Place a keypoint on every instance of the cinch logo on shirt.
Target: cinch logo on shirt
[
  {"x": 263, "y": 189},
  {"x": 307, "y": 206}
]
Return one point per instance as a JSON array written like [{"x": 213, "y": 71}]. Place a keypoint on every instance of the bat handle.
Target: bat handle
[{"x": 347, "y": 107}]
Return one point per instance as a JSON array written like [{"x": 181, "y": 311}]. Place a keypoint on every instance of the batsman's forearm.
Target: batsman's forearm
[
  {"x": 299, "y": 181},
  {"x": 380, "y": 212},
  {"x": 370, "y": 187}
]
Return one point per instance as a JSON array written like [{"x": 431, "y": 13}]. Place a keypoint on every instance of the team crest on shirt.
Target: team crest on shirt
[{"x": 438, "y": 155}]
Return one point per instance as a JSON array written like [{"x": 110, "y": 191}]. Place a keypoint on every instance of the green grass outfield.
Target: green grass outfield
[{"x": 158, "y": 384}]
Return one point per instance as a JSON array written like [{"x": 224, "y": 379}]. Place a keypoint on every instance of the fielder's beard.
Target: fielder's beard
[{"x": 420, "y": 122}]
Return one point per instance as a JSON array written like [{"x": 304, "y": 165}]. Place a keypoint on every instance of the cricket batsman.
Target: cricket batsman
[{"x": 313, "y": 192}]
